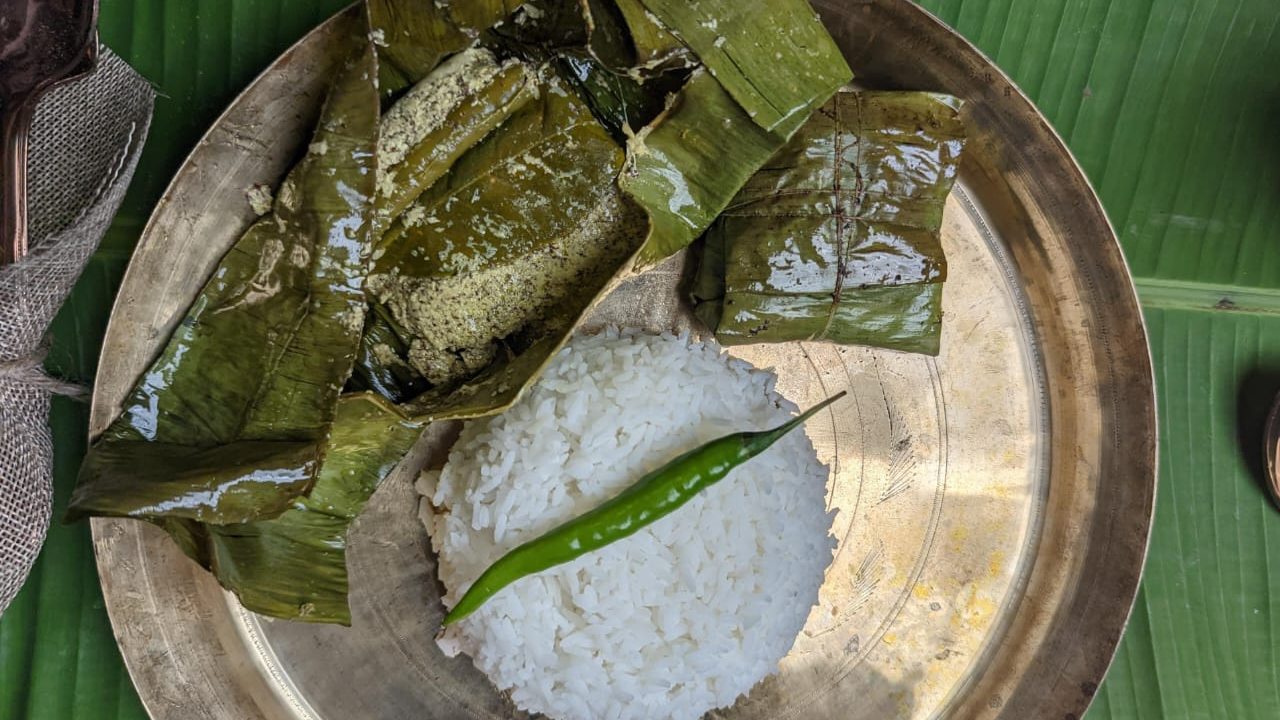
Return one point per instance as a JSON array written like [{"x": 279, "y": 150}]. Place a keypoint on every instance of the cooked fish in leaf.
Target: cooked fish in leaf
[
  {"x": 439, "y": 119},
  {"x": 774, "y": 58},
  {"x": 505, "y": 206},
  {"x": 510, "y": 239},
  {"x": 413, "y": 36},
  {"x": 475, "y": 15},
  {"x": 755, "y": 89},
  {"x": 255, "y": 368},
  {"x": 837, "y": 238}
]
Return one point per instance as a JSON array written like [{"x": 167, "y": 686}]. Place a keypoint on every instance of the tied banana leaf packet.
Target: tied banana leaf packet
[
  {"x": 837, "y": 238},
  {"x": 530, "y": 156},
  {"x": 689, "y": 143}
]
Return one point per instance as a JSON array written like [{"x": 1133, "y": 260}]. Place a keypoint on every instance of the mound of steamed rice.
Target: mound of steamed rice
[{"x": 680, "y": 618}]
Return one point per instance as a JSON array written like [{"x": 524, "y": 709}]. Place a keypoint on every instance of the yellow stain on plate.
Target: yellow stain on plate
[{"x": 996, "y": 566}]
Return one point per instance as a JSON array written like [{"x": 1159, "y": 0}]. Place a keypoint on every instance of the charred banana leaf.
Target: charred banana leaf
[
  {"x": 837, "y": 238},
  {"x": 230, "y": 422}
]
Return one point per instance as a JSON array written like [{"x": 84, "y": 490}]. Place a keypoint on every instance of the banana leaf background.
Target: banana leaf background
[{"x": 1169, "y": 105}]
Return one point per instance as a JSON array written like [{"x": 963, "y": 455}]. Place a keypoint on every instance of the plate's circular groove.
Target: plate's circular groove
[{"x": 994, "y": 503}]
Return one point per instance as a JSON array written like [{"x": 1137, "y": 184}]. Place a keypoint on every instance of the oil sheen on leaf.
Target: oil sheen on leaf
[
  {"x": 413, "y": 36},
  {"x": 294, "y": 566},
  {"x": 230, "y": 422},
  {"x": 774, "y": 58},
  {"x": 509, "y": 245},
  {"x": 837, "y": 238}
]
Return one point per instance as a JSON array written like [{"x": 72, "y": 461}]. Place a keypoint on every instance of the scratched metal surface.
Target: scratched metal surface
[{"x": 994, "y": 501}]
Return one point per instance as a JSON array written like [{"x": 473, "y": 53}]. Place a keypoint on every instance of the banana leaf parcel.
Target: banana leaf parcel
[
  {"x": 837, "y": 237},
  {"x": 529, "y": 155}
]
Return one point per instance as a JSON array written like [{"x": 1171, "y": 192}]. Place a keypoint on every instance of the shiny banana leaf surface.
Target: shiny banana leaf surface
[
  {"x": 590, "y": 45},
  {"x": 230, "y": 422},
  {"x": 413, "y": 36},
  {"x": 774, "y": 58},
  {"x": 526, "y": 156},
  {"x": 765, "y": 67},
  {"x": 294, "y": 566},
  {"x": 472, "y": 302},
  {"x": 510, "y": 245},
  {"x": 686, "y": 166},
  {"x": 439, "y": 119},
  {"x": 620, "y": 102},
  {"x": 382, "y": 366},
  {"x": 837, "y": 237}
]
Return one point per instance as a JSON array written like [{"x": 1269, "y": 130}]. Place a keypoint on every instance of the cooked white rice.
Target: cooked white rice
[{"x": 685, "y": 615}]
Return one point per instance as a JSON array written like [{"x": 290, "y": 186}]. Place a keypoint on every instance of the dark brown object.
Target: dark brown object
[
  {"x": 1271, "y": 447},
  {"x": 42, "y": 43}
]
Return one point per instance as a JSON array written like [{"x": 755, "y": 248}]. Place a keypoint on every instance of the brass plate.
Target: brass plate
[{"x": 994, "y": 502}]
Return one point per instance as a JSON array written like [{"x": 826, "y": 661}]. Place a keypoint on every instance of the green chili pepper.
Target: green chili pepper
[{"x": 652, "y": 497}]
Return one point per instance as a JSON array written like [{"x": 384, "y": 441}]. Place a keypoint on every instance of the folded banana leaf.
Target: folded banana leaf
[
  {"x": 837, "y": 238},
  {"x": 500, "y": 208},
  {"x": 382, "y": 365},
  {"x": 775, "y": 58},
  {"x": 656, "y": 48},
  {"x": 686, "y": 166},
  {"x": 621, "y": 103},
  {"x": 589, "y": 45},
  {"x": 756, "y": 89},
  {"x": 608, "y": 39},
  {"x": 294, "y": 566},
  {"x": 691, "y": 147},
  {"x": 475, "y": 15},
  {"x": 510, "y": 245},
  {"x": 618, "y": 34},
  {"x": 413, "y": 36},
  {"x": 439, "y": 119},
  {"x": 229, "y": 424},
  {"x": 540, "y": 29}
]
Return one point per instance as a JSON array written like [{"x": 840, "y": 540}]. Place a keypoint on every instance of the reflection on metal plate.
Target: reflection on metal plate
[{"x": 993, "y": 502}]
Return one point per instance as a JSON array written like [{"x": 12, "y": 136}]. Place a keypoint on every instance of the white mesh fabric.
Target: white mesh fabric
[{"x": 85, "y": 141}]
